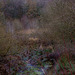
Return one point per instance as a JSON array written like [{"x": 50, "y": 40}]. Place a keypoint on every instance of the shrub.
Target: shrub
[
  {"x": 9, "y": 44},
  {"x": 14, "y": 9},
  {"x": 58, "y": 17}
]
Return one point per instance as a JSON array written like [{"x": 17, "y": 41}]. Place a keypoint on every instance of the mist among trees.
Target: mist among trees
[{"x": 37, "y": 37}]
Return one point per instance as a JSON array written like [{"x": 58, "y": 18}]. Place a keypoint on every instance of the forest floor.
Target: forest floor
[{"x": 34, "y": 58}]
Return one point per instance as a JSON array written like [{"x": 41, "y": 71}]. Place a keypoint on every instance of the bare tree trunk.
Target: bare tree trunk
[
  {"x": 10, "y": 27},
  {"x": 29, "y": 23},
  {"x": 25, "y": 22},
  {"x": 33, "y": 23}
]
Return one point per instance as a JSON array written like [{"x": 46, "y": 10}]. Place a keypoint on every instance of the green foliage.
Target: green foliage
[{"x": 64, "y": 64}]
